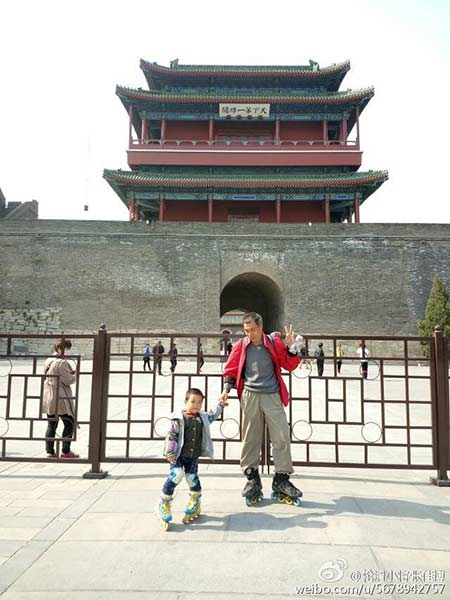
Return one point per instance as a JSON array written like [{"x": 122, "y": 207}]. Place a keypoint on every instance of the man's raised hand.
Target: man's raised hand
[{"x": 290, "y": 335}]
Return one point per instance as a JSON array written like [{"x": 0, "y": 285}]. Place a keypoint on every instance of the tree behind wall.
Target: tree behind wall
[{"x": 437, "y": 313}]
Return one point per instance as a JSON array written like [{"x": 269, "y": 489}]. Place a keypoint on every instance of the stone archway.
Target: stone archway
[{"x": 253, "y": 291}]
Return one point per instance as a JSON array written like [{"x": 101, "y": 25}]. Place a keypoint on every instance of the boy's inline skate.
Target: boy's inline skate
[
  {"x": 252, "y": 491},
  {"x": 193, "y": 508},
  {"x": 284, "y": 491},
  {"x": 164, "y": 511}
]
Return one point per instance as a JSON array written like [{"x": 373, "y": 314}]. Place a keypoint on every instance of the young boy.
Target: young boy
[{"x": 189, "y": 438}]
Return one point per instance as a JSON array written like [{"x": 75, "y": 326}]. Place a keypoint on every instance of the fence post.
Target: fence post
[
  {"x": 442, "y": 407},
  {"x": 97, "y": 392}
]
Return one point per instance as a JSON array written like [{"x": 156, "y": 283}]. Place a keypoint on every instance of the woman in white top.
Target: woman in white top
[{"x": 363, "y": 354}]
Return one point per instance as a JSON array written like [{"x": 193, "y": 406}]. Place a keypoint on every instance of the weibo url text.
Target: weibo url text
[{"x": 371, "y": 589}]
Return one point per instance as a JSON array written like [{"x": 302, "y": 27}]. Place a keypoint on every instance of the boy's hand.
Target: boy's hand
[{"x": 171, "y": 458}]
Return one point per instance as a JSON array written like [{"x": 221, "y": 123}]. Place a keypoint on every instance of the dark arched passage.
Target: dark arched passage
[{"x": 253, "y": 291}]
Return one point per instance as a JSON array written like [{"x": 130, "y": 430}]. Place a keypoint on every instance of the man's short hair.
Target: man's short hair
[{"x": 253, "y": 316}]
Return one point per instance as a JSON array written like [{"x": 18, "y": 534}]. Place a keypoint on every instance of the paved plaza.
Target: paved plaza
[
  {"x": 65, "y": 537},
  {"x": 373, "y": 532}
]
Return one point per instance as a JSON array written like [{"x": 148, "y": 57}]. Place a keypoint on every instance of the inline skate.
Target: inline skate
[
  {"x": 164, "y": 510},
  {"x": 252, "y": 491},
  {"x": 193, "y": 508},
  {"x": 284, "y": 491}
]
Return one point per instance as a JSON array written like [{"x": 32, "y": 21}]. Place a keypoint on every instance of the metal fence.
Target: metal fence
[{"x": 397, "y": 417}]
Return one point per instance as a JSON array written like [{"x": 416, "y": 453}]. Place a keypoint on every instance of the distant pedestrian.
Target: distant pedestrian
[
  {"x": 158, "y": 351},
  {"x": 339, "y": 355},
  {"x": 363, "y": 354},
  {"x": 57, "y": 399},
  {"x": 146, "y": 356},
  {"x": 173, "y": 353},
  {"x": 320, "y": 359},
  {"x": 229, "y": 347},
  {"x": 200, "y": 358}
]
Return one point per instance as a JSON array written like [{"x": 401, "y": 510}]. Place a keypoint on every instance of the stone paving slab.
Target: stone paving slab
[
  {"x": 114, "y": 595},
  {"x": 9, "y": 547},
  {"x": 104, "y": 541},
  {"x": 274, "y": 568}
]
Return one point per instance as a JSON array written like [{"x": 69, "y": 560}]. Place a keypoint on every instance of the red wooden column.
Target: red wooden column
[
  {"x": 130, "y": 126},
  {"x": 163, "y": 130},
  {"x": 144, "y": 130},
  {"x": 325, "y": 131},
  {"x": 357, "y": 128},
  {"x": 278, "y": 210},
  {"x": 161, "y": 209},
  {"x": 344, "y": 131},
  {"x": 131, "y": 210},
  {"x": 210, "y": 209},
  {"x": 211, "y": 131},
  {"x": 356, "y": 205},
  {"x": 349, "y": 214},
  {"x": 277, "y": 131},
  {"x": 327, "y": 210}
]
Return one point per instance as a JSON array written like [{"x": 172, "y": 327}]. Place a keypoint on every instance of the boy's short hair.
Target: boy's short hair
[{"x": 193, "y": 392}]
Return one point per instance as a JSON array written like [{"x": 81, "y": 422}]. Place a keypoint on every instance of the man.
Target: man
[
  {"x": 146, "y": 356},
  {"x": 363, "y": 354},
  {"x": 320, "y": 359},
  {"x": 173, "y": 353},
  {"x": 158, "y": 351},
  {"x": 254, "y": 368},
  {"x": 339, "y": 355},
  {"x": 200, "y": 358}
]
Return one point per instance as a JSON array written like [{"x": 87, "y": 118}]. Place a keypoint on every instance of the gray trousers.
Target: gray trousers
[{"x": 255, "y": 408}]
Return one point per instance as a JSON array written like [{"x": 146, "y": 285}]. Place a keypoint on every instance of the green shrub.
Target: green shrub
[{"x": 437, "y": 313}]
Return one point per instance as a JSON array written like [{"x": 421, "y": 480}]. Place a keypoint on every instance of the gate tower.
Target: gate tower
[{"x": 244, "y": 143}]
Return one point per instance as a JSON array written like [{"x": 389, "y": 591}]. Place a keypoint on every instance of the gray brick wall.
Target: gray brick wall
[{"x": 338, "y": 278}]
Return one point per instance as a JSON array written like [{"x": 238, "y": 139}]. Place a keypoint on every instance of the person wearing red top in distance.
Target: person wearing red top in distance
[{"x": 254, "y": 368}]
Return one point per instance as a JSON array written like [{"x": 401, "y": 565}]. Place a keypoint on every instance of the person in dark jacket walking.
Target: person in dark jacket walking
[
  {"x": 320, "y": 359},
  {"x": 173, "y": 353},
  {"x": 200, "y": 358},
  {"x": 158, "y": 351}
]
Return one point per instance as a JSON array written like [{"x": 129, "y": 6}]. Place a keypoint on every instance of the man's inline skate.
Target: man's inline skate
[
  {"x": 193, "y": 508},
  {"x": 284, "y": 491},
  {"x": 252, "y": 491},
  {"x": 164, "y": 511}
]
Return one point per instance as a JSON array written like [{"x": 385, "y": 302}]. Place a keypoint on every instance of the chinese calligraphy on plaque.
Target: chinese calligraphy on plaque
[{"x": 244, "y": 110}]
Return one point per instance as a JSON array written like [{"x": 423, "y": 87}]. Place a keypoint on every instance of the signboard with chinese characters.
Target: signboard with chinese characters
[{"x": 244, "y": 110}]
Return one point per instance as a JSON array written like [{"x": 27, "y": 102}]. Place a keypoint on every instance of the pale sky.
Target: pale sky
[{"x": 61, "y": 123}]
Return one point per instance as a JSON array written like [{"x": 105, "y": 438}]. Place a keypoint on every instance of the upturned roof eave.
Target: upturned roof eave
[
  {"x": 260, "y": 182},
  {"x": 130, "y": 95},
  {"x": 260, "y": 71}
]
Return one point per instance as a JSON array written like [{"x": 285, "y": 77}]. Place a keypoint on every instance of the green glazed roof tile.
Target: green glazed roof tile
[
  {"x": 307, "y": 71},
  {"x": 261, "y": 181},
  {"x": 296, "y": 98}
]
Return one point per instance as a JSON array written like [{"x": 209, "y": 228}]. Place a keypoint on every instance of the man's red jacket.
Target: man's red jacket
[{"x": 233, "y": 372}]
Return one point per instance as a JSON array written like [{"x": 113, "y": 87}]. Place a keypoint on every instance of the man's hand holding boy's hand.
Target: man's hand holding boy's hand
[
  {"x": 223, "y": 400},
  {"x": 171, "y": 458}
]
